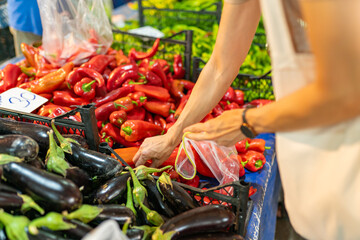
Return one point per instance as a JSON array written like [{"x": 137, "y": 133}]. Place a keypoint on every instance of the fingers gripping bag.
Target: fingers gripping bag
[
  {"x": 209, "y": 158},
  {"x": 73, "y": 30}
]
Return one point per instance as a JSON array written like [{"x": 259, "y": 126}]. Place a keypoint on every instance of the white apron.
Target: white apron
[{"x": 319, "y": 167}]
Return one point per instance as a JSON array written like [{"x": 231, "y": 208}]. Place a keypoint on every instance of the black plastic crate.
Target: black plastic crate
[
  {"x": 254, "y": 87},
  {"x": 87, "y": 128},
  {"x": 163, "y": 17},
  {"x": 168, "y": 46}
]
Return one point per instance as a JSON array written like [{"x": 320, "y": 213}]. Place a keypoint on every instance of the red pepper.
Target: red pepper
[
  {"x": 188, "y": 85},
  {"x": 120, "y": 75},
  {"x": 29, "y": 71},
  {"x": 241, "y": 166},
  {"x": 107, "y": 139},
  {"x": 29, "y": 53},
  {"x": 42, "y": 66},
  {"x": 139, "y": 97},
  {"x": 121, "y": 58},
  {"x": 157, "y": 69},
  {"x": 133, "y": 54},
  {"x": 106, "y": 74},
  {"x": 114, "y": 94},
  {"x": 207, "y": 117},
  {"x": 48, "y": 96},
  {"x": 114, "y": 132},
  {"x": 260, "y": 102},
  {"x": 162, "y": 108},
  {"x": 137, "y": 113},
  {"x": 99, "y": 62},
  {"x": 231, "y": 106},
  {"x": 217, "y": 110},
  {"x": 171, "y": 160},
  {"x": 258, "y": 145},
  {"x": 177, "y": 89},
  {"x": 171, "y": 118},
  {"x": 164, "y": 64},
  {"x": 159, "y": 121},
  {"x": 254, "y": 160},
  {"x": 135, "y": 130},
  {"x": 252, "y": 191},
  {"x": 62, "y": 110},
  {"x": 45, "y": 110},
  {"x": 144, "y": 64},
  {"x": 179, "y": 71},
  {"x": 193, "y": 182},
  {"x": 201, "y": 166},
  {"x": 85, "y": 88},
  {"x": 181, "y": 106},
  {"x": 149, "y": 118},
  {"x": 153, "y": 79},
  {"x": 67, "y": 98},
  {"x": 11, "y": 73},
  {"x": 81, "y": 72},
  {"x": 154, "y": 92},
  {"x": 23, "y": 78},
  {"x": 103, "y": 112},
  {"x": 229, "y": 95},
  {"x": 168, "y": 126},
  {"x": 118, "y": 117},
  {"x": 243, "y": 145},
  {"x": 239, "y": 97}
]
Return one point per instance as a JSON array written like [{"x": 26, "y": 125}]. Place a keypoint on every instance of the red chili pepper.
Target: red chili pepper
[
  {"x": 114, "y": 94},
  {"x": 133, "y": 54},
  {"x": 118, "y": 117},
  {"x": 162, "y": 108},
  {"x": 243, "y": 145},
  {"x": 100, "y": 124},
  {"x": 149, "y": 118},
  {"x": 252, "y": 191},
  {"x": 67, "y": 98},
  {"x": 181, "y": 106},
  {"x": 81, "y": 72},
  {"x": 135, "y": 130},
  {"x": 85, "y": 88},
  {"x": 11, "y": 73},
  {"x": 29, "y": 71},
  {"x": 193, "y": 182},
  {"x": 62, "y": 110},
  {"x": 45, "y": 110},
  {"x": 239, "y": 97},
  {"x": 207, "y": 117},
  {"x": 258, "y": 145},
  {"x": 121, "y": 58},
  {"x": 241, "y": 167},
  {"x": 48, "y": 96},
  {"x": 159, "y": 121},
  {"x": 201, "y": 166},
  {"x": 217, "y": 110},
  {"x": 179, "y": 71},
  {"x": 177, "y": 89},
  {"x": 139, "y": 97},
  {"x": 107, "y": 139},
  {"x": 23, "y": 78},
  {"x": 153, "y": 79},
  {"x": 168, "y": 126},
  {"x": 154, "y": 92},
  {"x": 42, "y": 66},
  {"x": 99, "y": 62},
  {"x": 106, "y": 74},
  {"x": 164, "y": 64},
  {"x": 119, "y": 74},
  {"x": 171, "y": 118},
  {"x": 103, "y": 112},
  {"x": 254, "y": 160},
  {"x": 137, "y": 113},
  {"x": 188, "y": 85},
  {"x": 157, "y": 69},
  {"x": 112, "y": 131},
  {"x": 231, "y": 106},
  {"x": 229, "y": 95},
  {"x": 29, "y": 53},
  {"x": 145, "y": 64}
]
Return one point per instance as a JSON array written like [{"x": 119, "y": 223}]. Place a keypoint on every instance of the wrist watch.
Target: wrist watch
[{"x": 245, "y": 128}]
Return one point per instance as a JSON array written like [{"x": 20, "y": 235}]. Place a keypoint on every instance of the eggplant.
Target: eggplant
[
  {"x": 14, "y": 201},
  {"x": 211, "y": 218},
  {"x": 35, "y": 131},
  {"x": 7, "y": 189},
  {"x": 134, "y": 234},
  {"x": 112, "y": 190},
  {"x": 49, "y": 190},
  {"x": 119, "y": 213},
  {"x": 213, "y": 236},
  {"x": 81, "y": 140},
  {"x": 79, "y": 232},
  {"x": 79, "y": 177},
  {"x": 97, "y": 165},
  {"x": 19, "y": 146},
  {"x": 156, "y": 200},
  {"x": 37, "y": 163},
  {"x": 46, "y": 235},
  {"x": 175, "y": 195}
]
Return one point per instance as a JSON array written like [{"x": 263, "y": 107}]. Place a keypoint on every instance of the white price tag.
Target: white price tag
[
  {"x": 148, "y": 31},
  {"x": 21, "y": 100}
]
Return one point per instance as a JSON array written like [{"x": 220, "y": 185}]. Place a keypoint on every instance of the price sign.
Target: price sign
[
  {"x": 148, "y": 31},
  {"x": 21, "y": 100}
]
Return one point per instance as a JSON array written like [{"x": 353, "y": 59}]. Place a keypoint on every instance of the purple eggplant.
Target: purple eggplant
[
  {"x": 211, "y": 218},
  {"x": 19, "y": 146},
  {"x": 14, "y": 201},
  {"x": 112, "y": 190},
  {"x": 119, "y": 213},
  {"x": 49, "y": 190}
]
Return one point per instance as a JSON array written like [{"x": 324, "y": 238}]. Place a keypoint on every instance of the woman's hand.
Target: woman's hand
[{"x": 224, "y": 130}]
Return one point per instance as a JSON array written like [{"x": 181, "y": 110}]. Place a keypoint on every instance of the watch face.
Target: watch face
[{"x": 247, "y": 131}]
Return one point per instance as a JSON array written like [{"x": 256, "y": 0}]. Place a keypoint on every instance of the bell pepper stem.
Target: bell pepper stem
[
  {"x": 127, "y": 130},
  {"x": 14, "y": 225},
  {"x": 55, "y": 157},
  {"x": 129, "y": 200},
  {"x": 142, "y": 98},
  {"x": 258, "y": 163},
  {"x": 171, "y": 111},
  {"x": 117, "y": 105},
  {"x": 86, "y": 213},
  {"x": 247, "y": 145},
  {"x": 5, "y": 158},
  {"x": 86, "y": 87},
  {"x": 30, "y": 203},
  {"x": 135, "y": 103},
  {"x": 53, "y": 221}
]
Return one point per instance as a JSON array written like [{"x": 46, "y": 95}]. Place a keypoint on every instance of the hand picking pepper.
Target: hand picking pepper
[
  {"x": 154, "y": 92},
  {"x": 81, "y": 72},
  {"x": 67, "y": 98},
  {"x": 135, "y": 130},
  {"x": 113, "y": 95},
  {"x": 139, "y": 97},
  {"x": 133, "y": 54},
  {"x": 99, "y": 62},
  {"x": 103, "y": 112},
  {"x": 85, "y": 88},
  {"x": 179, "y": 71},
  {"x": 254, "y": 160},
  {"x": 137, "y": 113},
  {"x": 162, "y": 108},
  {"x": 11, "y": 73},
  {"x": 121, "y": 74},
  {"x": 118, "y": 117}
]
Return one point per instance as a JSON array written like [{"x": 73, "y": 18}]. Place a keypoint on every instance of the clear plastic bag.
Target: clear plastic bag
[
  {"x": 74, "y": 30},
  {"x": 222, "y": 161}
]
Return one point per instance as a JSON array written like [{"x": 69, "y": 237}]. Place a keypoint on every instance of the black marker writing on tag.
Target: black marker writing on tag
[{"x": 25, "y": 97}]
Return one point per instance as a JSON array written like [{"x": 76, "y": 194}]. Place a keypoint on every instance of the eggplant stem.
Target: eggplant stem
[
  {"x": 53, "y": 221},
  {"x": 129, "y": 201},
  {"x": 30, "y": 203},
  {"x": 86, "y": 213},
  {"x": 139, "y": 191},
  {"x": 152, "y": 216},
  {"x": 64, "y": 142},
  {"x": 5, "y": 159},
  {"x": 14, "y": 225},
  {"x": 142, "y": 172},
  {"x": 55, "y": 157}
]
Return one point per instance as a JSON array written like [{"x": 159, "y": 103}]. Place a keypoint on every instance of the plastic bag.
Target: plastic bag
[
  {"x": 74, "y": 30},
  {"x": 222, "y": 161},
  {"x": 107, "y": 230}
]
